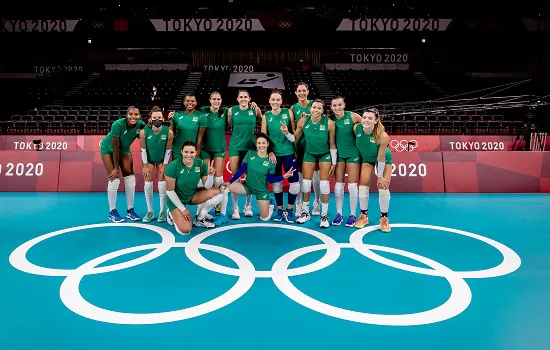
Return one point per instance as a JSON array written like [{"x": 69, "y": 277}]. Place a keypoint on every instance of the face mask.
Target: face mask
[{"x": 157, "y": 123}]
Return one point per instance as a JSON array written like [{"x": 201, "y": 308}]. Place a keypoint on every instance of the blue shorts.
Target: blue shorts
[{"x": 287, "y": 162}]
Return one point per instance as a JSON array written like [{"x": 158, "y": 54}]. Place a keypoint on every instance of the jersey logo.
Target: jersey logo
[
  {"x": 197, "y": 169},
  {"x": 266, "y": 163},
  {"x": 182, "y": 170},
  {"x": 270, "y": 119},
  {"x": 207, "y": 114},
  {"x": 355, "y": 159},
  {"x": 252, "y": 158},
  {"x": 359, "y": 135},
  {"x": 321, "y": 127},
  {"x": 149, "y": 137},
  {"x": 163, "y": 137},
  {"x": 125, "y": 131},
  {"x": 346, "y": 121},
  {"x": 285, "y": 116},
  {"x": 250, "y": 112},
  {"x": 236, "y": 113},
  {"x": 265, "y": 196},
  {"x": 372, "y": 140},
  {"x": 307, "y": 126},
  {"x": 180, "y": 118},
  {"x": 195, "y": 119}
]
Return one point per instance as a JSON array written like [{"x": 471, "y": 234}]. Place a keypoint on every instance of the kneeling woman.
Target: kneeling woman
[
  {"x": 182, "y": 178},
  {"x": 259, "y": 172}
]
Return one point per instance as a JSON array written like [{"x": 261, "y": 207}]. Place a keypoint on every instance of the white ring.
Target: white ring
[
  {"x": 459, "y": 300},
  {"x": 18, "y": 258},
  {"x": 71, "y": 297},
  {"x": 332, "y": 254},
  {"x": 510, "y": 263}
]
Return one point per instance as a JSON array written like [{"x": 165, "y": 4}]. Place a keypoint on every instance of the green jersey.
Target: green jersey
[
  {"x": 257, "y": 169},
  {"x": 317, "y": 135},
  {"x": 368, "y": 147},
  {"x": 216, "y": 124},
  {"x": 281, "y": 145},
  {"x": 345, "y": 138},
  {"x": 126, "y": 134},
  {"x": 155, "y": 144},
  {"x": 187, "y": 178},
  {"x": 244, "y": 123},
  {"x": 186, "y": 128},
  {"x": 298, "y": 110}
]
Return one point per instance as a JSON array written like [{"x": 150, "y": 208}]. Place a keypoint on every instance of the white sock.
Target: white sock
[
  {"x": 235, "y": 199},
  {"x": 112, "y": 189},
  {"x": 299, "y": 195},
  {"x": 339, "y": 195},
  {"x": 223, "y": 206},
  {"x": 305, "y": 207},
  {"x": 353, "y": 191},
  {"x": 317, "y": 185},
  {"x": 384, "y": 200},
  {"x": 364, "y": 197},
  {"x": 130, "y": 189},
  {"x": 248, "y": 199},
  {"x": 162, "y": 194},
  {"x": 148, "y": 189},
  {"x": 324, "y": 208},
  {"x": 208, "y": 205}
]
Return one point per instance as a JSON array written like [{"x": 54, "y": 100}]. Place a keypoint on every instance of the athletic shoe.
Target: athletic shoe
[
  {"x": 220, "y": 220},
  {"x": 248, "y": 211},
  {"x": 235, "y": 215},
  {"x": 115, "y": 217},
  {"x": 337, "y": 220},
  {"x": 362, "y": 222},
  {"x": 279, "y": 216},
  {"x": 169, "y": 219},
  {"x": 289, "y": 216},
  {"x": 131, "y": 214},
  {"x": 304, "y": 217},
  {"x": 298, "y": 208},
  {"x": 203, "y": 223},
  {"x": 324, "y": 221},
  {"x": 161, "y": 217},
  {"x": 385, "y": 224},
  {"x": 316, "y": 209},
  {"x": 351, "y": 221},
  {"x": 149, "y": 217}
]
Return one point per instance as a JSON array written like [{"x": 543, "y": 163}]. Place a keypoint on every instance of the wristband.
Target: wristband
[
  {"x": 290, "y": 137},
  {"x": 144, "y": 155},
  {"x": 167, "y": 156},
  {"x": 381, "y": 166},
  {"x": 334, "y": 156}
]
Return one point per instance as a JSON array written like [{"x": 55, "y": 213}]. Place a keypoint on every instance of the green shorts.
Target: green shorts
[
  {"x": 389, "y": 160},
  {"x": 321, "y": 158},
  {"x": 234, "y": 153},
  {"x": 212, "y": 155},
  {"x": 171, "y": 206},
  {"x": 260, "y": 195},
  {"x": 108, "y": 150},
  {"x": 354, "y": 159}
]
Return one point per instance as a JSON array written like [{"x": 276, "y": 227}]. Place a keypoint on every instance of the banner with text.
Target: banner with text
[
  {"x": 267, "y": 80},
  {"x": 394, "y": 25}
]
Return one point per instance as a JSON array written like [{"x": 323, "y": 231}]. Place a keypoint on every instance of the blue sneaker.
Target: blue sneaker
[
  {"x": 220, "y": 220},
  {"x": 115, "y": 217},
  {"x": 279, "y": 216},
  {"x": 351, "y": 221},
  {"x": 289, "y": 216},
  {"x": 337, "y": 220},
  {"x": 131, "y": 214}
]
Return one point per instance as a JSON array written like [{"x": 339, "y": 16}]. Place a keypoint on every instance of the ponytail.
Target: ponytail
[{"x": 378, "y": 130}]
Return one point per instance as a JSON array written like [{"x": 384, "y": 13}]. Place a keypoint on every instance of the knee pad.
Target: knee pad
[
  {"x": 113, "y": 185},
  {"x": 130, "y": 181},
  {"x": 148, "y": 187},
  {"x": 352, "y": 189},
  {"x": 162, "y": 187},
  {"x": 363, "y": 191},
  {"x": 338, "y": 189},
  {"x": 325, "y": 186},
  {"x": 294, "y": 188},
  {"x": 218, "y": 181},
  {"x": 384, "y": 193},
  {"x": 277, "y": 187},
  {"x": 306, "y": 185}
]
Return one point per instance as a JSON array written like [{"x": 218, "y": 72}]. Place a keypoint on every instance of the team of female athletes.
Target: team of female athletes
[{"x": 309, "y": 145}]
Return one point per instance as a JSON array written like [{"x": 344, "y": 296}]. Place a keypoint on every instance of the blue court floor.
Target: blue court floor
[{"x": 465, "y": 271}]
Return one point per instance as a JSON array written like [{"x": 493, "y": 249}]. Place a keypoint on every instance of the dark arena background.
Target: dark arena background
[{"x": 463, "y": 94}]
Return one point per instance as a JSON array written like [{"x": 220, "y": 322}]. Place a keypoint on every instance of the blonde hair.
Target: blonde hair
[{"x": 378, "y": 127}]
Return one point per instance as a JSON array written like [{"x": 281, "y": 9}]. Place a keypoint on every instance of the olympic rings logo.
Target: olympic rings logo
[
  {"x": 285, "y": 24},
  {"x": 280, "y": 272},
  {"x": 403, "y": 145}
]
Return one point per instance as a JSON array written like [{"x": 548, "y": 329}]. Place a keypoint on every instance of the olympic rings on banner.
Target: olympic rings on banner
[{"x": 458, "y": 301}]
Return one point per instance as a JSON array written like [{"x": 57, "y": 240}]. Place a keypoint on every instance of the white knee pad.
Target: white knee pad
[
  {"x": 162, "y": 187},
  {"x": 384, "y": 199},
  {"x": 113, "y": 185},
  {"x": 148, "y": 187},
  {"x": 218, "y": 181},
  {"x": 277, "y": 187},
  {"x": 363, "y": 191},
  {"x": 129, "y": 181},
  {"x": 294, "y": 188},
  {"x": 325, "y": 186},
  {"x": 352, "y": 189},
  {"x": 338, "y": 189},
  {"x": 306, "y": 185}
]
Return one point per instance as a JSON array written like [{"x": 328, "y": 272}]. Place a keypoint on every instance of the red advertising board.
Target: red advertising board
[
  {"x": 90, "y": 143},
  {"x": 38, "y": 143},
  {"x": 29, "y": 171},
  {"x": 414, "y": 143},
  {"x": 476, "y": 143},
  {"x": 503, "y": 172}
]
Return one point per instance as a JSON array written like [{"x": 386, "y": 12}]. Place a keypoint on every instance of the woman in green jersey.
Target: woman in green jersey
[
  {"x": 182, "y": 179},
  {"x": 276, "y": 123},
  {"x": 115, "y": 153},
  {"x": 372, "y": 142},
  {"x": 299, "y": 109},
  {"x": 319, "y": 131},
  {"x": 187, "y": 125},
  {"x": 348, "y": 160},
  {"x": 156, "y": 146},
  {"x": 259, "y": 172},
  {"x": 243, "y": 118}
]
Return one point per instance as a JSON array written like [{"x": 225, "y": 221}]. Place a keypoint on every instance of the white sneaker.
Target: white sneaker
[
  {"x": 304, "y": 217},
  {"x": 316, "y": 209},
  {"x": 169, "y": 219},
  {"x": 203, "y": 223},
  {"x": 324, "y": 221},
  {"x": 248, "y": 211},
  {"x": 235, "y": 215}
]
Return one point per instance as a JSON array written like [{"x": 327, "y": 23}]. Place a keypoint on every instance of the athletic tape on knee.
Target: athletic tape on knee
[
  {"x": 306, "y": 185},
  {"x": 338, "y": 189},
  {"x": 129, "y": 181},
  {"x": 294, "y": 188},
  {"x": 148, "y": 187},
  {"x": 113, "y": 185},
  {"x": 384, "y": 200},
  {"x": 218, "y": 181},
  {"x": 277, "y": 187},
  {"x": 363, "y": 191},
  {"x": 352, "y": 189},
  {"x": 162, "y": 187},
  {"x": 324, "y": 186}
]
